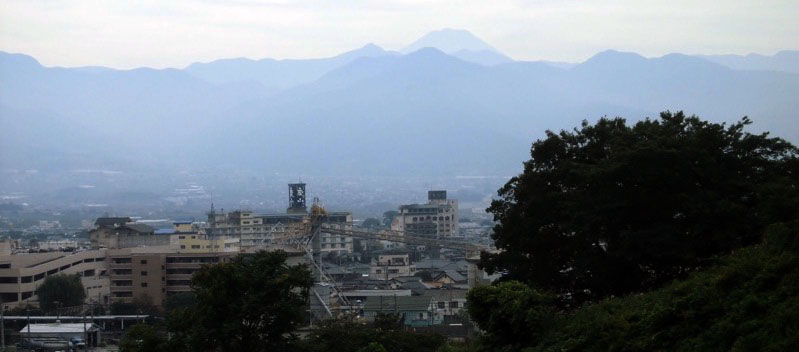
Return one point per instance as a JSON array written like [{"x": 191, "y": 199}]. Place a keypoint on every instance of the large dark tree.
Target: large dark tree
[
  {"x": 253, "y": 303},
  {"x": 610, "y": 209},
  {"x": 60, "y": 291}
]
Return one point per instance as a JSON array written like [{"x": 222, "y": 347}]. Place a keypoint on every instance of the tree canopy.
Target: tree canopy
[
  {"x": 746, "y": 301},
  {"x": 609, "y": 209},
  {"x": 386, "y": 334},
  {"x": 371, "y": 222},
  {"x": 60, "y": 291},
  {"x": 253, "y": 303}
]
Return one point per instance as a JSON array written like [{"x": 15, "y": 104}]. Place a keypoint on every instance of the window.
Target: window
[
  {"x": 195, "y": 246},
  {"x": 453, "y": 304},
  {"x": 144, "y": 261},
  {"x": 143, "y": 284},
  {"x": 182, "y": 246},
  {"x": 8, "y": 280},
  {"x": 143, "y": 273},
  {"x": 181, "y": 237},
  {"x": 421, "y": 315},
  {"x": 442, "y": 305}
]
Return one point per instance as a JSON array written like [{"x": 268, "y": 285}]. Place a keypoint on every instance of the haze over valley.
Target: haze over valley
[{"x": 448, "y": 108}]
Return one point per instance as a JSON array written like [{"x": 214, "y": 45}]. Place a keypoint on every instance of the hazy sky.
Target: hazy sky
[{"x": 174, "y": 33}]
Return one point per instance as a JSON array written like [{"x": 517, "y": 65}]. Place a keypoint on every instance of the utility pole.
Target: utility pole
[
  {"x": 2, "y": 326},
  {"x": 28, "y": 312},
  {"x": 92, "y": 322},
  {"x": 85, "y": 334}
]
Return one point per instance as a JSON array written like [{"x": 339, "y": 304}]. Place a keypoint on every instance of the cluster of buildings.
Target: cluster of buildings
[
  {"x": 132, "y": 262},
  {"x": 430, "y": 292}
]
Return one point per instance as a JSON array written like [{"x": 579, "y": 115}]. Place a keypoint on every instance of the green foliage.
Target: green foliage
[
  {"x": 349, "y": 335},
  {"x": 610, "y": 209},
  {"x": 512, "y": 313},
  {"x": 67, "y": 290},
  {"x": 388, "y": 217},
  {"x": 253, "y": 303},
  {"x": 179, "y": 300},
  {"x": 142, "y": 338},
  {"x": 371, "y": 222},
  {"x": 140, "y": 305},
  {"x": 373, "y": 347},
  {"x": 747, "y": 301}
]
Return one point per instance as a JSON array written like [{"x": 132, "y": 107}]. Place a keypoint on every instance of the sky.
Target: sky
[{"x": 175, "y": 33}]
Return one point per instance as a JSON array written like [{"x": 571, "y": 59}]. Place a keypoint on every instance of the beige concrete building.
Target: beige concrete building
[
  {"x": 437, "y": 218},
  {"x": 21, "y": 274},
  {"x": 389, "y": 266},
  {"x": 256, "y": 231},
  {"x": 242, "y": 224},
  {"x": 120, "y": 232},
  {"x": 151, "y": 274},
  {"x": 199, "y": 243}
]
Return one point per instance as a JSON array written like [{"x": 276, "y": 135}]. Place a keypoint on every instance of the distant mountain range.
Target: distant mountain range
[{"x": 448, "y": 104}]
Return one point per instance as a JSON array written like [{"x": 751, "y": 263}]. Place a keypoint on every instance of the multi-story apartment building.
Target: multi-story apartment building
[
  {"x": 22, "y": 273},
  {"x": 437, "y": 218},
  {"x": 265, "y": 230},
  {"x": 151, "y": 274},
  {"x": 389, "y": 266},
  {"x": 242, "y": 224},
  {"x": 199, "y": 243}
]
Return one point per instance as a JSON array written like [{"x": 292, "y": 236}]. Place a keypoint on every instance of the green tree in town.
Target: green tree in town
[
  {"x": 385, "y": 334},
  {"x": 609, "y": 208},
  {"x": 512, "y": 314},
  {"x": 142, "y": 338},
  {"x": 371, "y": 222},
  {"x": 60, "y": 291},
  {"x": 253, "y": 303},
  {"x": 388, "y": 217}
]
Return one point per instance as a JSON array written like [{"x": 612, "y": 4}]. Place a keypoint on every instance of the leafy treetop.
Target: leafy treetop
[{"x": 610, "y": 209}]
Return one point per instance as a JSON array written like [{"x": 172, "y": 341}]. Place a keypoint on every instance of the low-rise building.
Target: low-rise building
[
  {"x": 390, "y": 266},
  {"x": 414, "y": 311},
  {"x": 57, "y": 245},
  {"x": 120, "y": 232},
  {"x": 448, "y": 302}
]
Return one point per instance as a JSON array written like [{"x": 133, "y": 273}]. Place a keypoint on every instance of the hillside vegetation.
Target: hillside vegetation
[{"x": 677, "y": 235}]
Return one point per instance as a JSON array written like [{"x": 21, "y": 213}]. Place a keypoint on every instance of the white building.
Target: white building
[
  {"x": 438, "y": 217},
  {"x": 389, "y": 266}
]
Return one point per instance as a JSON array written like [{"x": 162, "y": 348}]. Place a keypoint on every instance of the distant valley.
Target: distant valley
[{"x": 446, "y": 105}]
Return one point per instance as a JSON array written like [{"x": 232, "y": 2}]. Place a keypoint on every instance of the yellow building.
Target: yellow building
[{"x": 197, "y": 243}]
